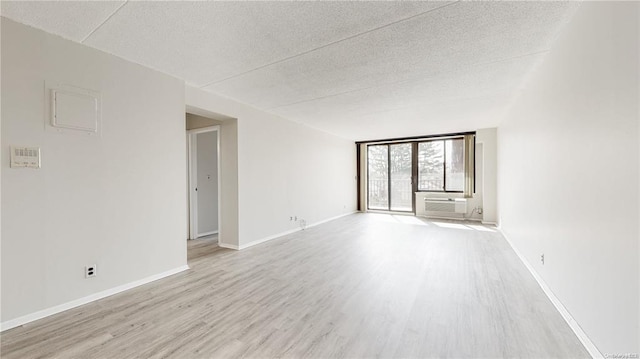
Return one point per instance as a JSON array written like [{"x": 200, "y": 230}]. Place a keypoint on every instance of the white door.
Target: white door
[
  {"x": 203, "y": 182},
  {"x": 207, "y": 183}
]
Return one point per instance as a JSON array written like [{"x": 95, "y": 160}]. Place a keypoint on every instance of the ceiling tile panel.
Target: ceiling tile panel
[
  {"x": 449, "y": 39},
  {"x": 73, "y": 20},
  {"x": 360, "y": 70},
  {"x": 469, "y": 97},
  {"x": 204, "y": 42}
]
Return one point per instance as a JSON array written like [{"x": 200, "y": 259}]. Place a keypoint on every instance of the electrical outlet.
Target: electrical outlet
[
  {"x": 542, "y": 258},
  {"x": 479, "y": 210},
  {"x": 90, "y": 271}
]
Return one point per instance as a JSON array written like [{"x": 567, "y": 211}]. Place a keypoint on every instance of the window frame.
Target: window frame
[
  {"x": 389, "y": 184},
  {"x": 362, "y": 171},
  {"x": 444, "y": 164},
  {"x": 388, "y": 178}
]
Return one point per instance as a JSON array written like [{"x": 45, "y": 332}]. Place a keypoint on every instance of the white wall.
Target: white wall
[
  {"x": 488, "y": 138},
  {"x": 108, "y": 200},
  {"x": 568, "y": 173},
  {"x": 284, "y": 169}
]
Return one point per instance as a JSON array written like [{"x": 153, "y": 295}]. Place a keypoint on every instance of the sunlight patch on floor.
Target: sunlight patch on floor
[
  {"x": 410, "y": 220},
  {"x": 420, "y": 221},
  {"x": 478, "y": 227},
  {"x": 452, "y": 225}
]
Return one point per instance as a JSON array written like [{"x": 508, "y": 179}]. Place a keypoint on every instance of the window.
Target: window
[
  {"x": 390, "y": 168},
  {"x": 395, "y": 169},
  {"x": 441, "y": 165},
  {"x": 378, "y": 177}
]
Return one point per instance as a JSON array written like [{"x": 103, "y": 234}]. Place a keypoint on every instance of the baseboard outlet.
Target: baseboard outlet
[
  {"x": 85, "y": 300},
  {"x": 582, "y": 336},
  {"x": 278, "y": 235}
]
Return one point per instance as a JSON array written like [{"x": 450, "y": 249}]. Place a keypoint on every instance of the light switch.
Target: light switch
[{"x": 25, "y": 157}]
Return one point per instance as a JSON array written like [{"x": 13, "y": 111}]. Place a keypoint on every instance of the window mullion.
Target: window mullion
[
  {"x": 389, "y": 177},
  {"x": 444, "y": 166}
]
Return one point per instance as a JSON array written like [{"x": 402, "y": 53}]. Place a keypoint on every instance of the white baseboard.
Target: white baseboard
[
  {"x": 331, "y": 219},
  {"x": 582, "y": 336},
  {"x": 230, "y": 246},
  {"x": 278, "y": 235},
  {"x": 490, "y": 224},
  {"x": 84, "y": 300},
  {"x": 265, "y": 239}
]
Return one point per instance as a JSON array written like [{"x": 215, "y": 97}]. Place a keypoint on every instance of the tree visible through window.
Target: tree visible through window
[
  {"x": 396, "y": 170},
  {"x": 390, "y": 170},
  {"x": 378, "y": 158},
  {"x": 400, "y": 165},
  {"x": 441, "y": 165}
]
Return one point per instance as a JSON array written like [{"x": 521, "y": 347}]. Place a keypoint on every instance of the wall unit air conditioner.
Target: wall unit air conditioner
[{"x": 446, "y": 205}]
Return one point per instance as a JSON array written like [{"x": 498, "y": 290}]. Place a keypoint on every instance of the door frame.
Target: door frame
[
  {"x": 192, "y": 164},
  {"x": 414, "y": 174}
]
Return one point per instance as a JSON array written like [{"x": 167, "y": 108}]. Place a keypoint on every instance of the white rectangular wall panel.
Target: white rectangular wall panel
[{"x": 73, "y": 109}]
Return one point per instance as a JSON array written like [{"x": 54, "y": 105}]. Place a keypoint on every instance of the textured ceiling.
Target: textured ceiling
[{"x": 361, "y": 70}]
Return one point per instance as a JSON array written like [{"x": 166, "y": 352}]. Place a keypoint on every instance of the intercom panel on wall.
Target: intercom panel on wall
[{"x": 25, "y": 157}]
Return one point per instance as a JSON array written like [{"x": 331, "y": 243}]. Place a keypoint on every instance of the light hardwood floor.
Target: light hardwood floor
[{"x": 365, "y": 285}]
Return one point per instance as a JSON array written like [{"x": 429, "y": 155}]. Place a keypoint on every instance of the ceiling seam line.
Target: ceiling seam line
[
  {"x": 329, "y": 44},
  {"x": 104, "y": 22},
  {"x": 397, "y": 82}
]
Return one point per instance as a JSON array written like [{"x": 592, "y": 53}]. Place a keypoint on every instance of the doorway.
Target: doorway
[
  {"x": 204, "y": 181},
  {"x": 390, "y": 174}
]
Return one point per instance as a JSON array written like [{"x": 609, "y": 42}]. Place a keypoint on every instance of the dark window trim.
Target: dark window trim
[
  {"x": 388, "y": 180},
  {"x": 441, "y": 139},
  {"x": 413, "y": 201},
  {"x": 444, "y": 163},
  {"x": 416, "y": 138},
  {"x": 388, "y": 177},
  {"x": 474, "y": 163},
  {"x": 414, "y": 175},
  {"x": 413, "y": 208},
  {"x": 358, "y": 184}
]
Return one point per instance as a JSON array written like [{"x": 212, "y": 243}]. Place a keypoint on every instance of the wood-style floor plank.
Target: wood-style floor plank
[{"x": 366, "y": 285}]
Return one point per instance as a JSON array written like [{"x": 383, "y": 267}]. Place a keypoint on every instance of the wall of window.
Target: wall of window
[{"x": 396, "y": 169}]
